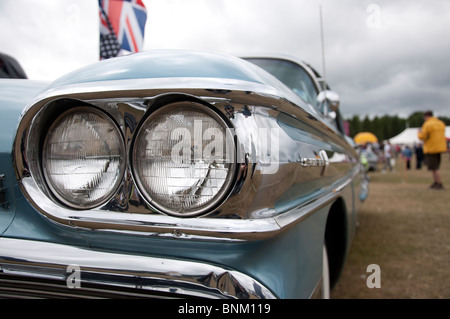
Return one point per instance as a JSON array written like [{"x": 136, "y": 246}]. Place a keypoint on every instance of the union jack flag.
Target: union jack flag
[{"x": 122, "y": 26}]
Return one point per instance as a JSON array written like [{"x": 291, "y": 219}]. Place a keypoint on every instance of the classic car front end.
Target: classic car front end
[{"x": 172, "y": 174}]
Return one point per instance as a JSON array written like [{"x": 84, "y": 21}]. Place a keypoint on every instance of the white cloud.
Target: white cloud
[
  {"x": 50, "y": 38},
  {"x": 396, "y": 64}
]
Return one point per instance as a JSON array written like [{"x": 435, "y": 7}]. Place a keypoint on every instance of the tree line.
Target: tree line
[{"x": 387, "y": 126}]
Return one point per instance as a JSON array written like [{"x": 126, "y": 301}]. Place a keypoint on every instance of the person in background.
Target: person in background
[
  {"x": 418, "y": 150},
  {"x": 387, "y": 149},
  {"x": 397, "y": 150},
  {"x": 432, "y": 134},
  {"x": 407, "y": 154}
]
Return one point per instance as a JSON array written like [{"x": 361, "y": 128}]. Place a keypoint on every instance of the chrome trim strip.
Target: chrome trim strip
[
  {"x": 177, "y": 277},
  {"x": 301, "y": 212},
  {"x": 136, "y": 89},
  {"x": 346, "y": 182},
  {"x": 194, "y": 228},
  {"x": 298, "y": 214}
]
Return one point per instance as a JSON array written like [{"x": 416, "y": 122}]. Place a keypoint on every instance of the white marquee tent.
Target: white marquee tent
[{"x": 409, "y": 136}]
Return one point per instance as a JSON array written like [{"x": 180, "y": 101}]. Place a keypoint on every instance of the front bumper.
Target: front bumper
[{"x": 31, "y": 268}]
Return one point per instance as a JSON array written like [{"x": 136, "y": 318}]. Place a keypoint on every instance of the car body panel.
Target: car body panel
[
  {"x": 271, "y": 227},
  {"x": 15, "y": 94}
]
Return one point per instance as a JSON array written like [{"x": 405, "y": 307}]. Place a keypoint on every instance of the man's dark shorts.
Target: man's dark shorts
[{"x": 433, "y": 161}]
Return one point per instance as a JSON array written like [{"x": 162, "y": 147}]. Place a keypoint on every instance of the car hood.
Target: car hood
[
  {"x": 168, "y": 64},
  {"x": 178, "y": 68}
]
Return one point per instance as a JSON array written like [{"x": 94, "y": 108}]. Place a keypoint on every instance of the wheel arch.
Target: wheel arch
[{"x": 336, "y": 239}]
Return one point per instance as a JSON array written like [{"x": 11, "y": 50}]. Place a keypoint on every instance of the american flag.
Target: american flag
[{"x": 122, "y": 24}]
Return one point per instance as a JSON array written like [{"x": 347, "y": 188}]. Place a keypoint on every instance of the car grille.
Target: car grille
[{"x": 21, "y": 287}]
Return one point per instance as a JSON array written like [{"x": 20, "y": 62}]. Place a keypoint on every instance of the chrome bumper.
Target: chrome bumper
[{"x": 76, "y": 268}]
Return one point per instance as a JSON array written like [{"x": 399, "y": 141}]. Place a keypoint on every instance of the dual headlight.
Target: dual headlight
[
  {"x": 181, "y": 158},
  {"x": 83, "y": 157}
]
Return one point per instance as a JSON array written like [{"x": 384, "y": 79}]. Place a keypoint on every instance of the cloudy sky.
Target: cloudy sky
[{"x": 382, "y": 57}]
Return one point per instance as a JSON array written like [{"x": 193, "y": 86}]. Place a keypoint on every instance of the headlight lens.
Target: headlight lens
[
  {"x": 183, "y": 159},
  {"x": 83, "y": 157}
]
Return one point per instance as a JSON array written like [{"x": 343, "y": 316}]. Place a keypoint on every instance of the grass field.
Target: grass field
[{"x": 404, "y": 228}]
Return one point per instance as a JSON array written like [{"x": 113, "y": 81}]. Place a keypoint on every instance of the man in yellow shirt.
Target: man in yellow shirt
[{"x": 433, "y": 135}]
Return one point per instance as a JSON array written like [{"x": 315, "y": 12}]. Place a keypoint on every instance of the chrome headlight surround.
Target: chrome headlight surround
[
  {"x": 179, "y": 168},
  {"x": 128, "y": 209},
  {"x": 83, "y": 157}
]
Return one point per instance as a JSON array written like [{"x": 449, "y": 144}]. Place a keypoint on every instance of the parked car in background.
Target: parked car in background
[
  {"x": 10, "y": 68},
  {"x": 371, "y": 158},
  {"x": 173, "y": 174}
]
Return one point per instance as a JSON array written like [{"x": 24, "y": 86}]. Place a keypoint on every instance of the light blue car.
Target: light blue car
[{"x": 173, "y": 174}]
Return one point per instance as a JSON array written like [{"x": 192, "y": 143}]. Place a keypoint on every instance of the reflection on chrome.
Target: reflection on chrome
[{"x": 160, "y": 275}]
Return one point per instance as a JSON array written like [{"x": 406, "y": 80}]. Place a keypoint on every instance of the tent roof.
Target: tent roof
[{"x": 409, "y": 136}]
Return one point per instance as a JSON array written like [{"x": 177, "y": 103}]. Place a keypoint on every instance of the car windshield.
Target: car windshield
[
  {"x": 298, "y": 80},
  {"x": 292, "y": 75}
]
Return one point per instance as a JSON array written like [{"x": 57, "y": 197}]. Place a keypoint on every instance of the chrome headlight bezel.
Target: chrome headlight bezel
[
  {"x": 228, "y": 161},
  {"x": 129, "y": 104}
]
